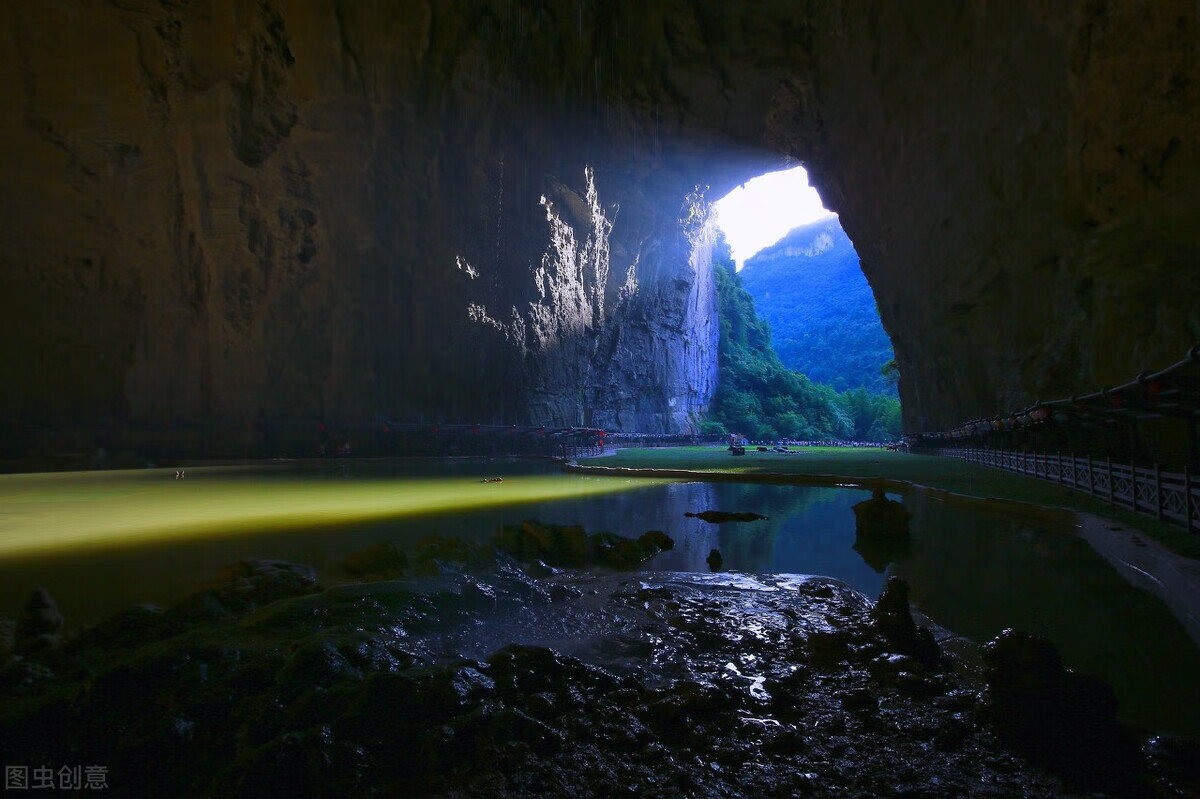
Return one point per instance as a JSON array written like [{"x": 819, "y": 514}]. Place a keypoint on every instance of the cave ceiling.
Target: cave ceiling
[{"x": 326, "y": 209}]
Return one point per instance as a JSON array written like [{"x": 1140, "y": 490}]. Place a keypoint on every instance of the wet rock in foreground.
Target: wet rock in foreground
[
  {"x": 381, "y": 559},
  {"x": 39, "y": 623},
  {"x": 571, "y": 547},
  {"x": 893, "y": 622},
  {"x": 498, "y": 684},
  {"x": 1065, "y": 722}
]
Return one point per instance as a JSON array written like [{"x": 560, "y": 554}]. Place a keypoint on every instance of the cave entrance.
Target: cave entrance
[
  {"x": 763, "y": 210},
  {"x": 790, "y": 254}
]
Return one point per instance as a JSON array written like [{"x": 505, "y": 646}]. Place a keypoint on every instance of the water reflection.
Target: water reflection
[
  {"x": 808, "y": 530},
  {"x": 978, "y": 572},
  {"x": 974, "y": 571},
  {"x": 108, "y": 540}
]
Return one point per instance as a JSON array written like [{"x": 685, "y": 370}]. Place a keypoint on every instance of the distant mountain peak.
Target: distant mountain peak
[
  {"x": 805, "y": 241},
  {"x": 820, "y": 244},
  {"x": 810, "y": 288}
]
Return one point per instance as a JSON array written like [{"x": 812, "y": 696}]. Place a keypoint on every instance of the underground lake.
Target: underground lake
[{"x": 100, "y": 542}]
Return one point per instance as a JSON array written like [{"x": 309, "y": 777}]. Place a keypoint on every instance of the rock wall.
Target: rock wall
[
  {"x": 224, "y": 210},
  {"x": 233, "y": 209},
  {"x": 1020, "y": 182}
]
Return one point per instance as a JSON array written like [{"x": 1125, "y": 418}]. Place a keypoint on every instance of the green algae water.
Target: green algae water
[{"x": 100, "y": 542}]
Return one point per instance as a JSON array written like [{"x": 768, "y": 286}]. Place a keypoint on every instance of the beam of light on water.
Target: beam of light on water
[{"x": 47, "y": 513}]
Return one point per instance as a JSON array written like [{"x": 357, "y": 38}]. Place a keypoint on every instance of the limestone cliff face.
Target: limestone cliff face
[
  {"x": 335, "y": 209},
  {"x": 1020, "y": 181},
  {"x": 216, "y": 208},
  {"x": 211, "y": 209}
]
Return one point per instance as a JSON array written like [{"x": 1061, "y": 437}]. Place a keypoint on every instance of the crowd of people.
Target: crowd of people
[{"x": 783, "y": 444}]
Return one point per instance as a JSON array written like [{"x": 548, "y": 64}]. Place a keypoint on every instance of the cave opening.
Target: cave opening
[
  {"x": 804, "y": 354},
  {"x": 762, "y": 210}
]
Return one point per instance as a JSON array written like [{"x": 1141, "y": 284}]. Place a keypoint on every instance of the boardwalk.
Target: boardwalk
[{"x": 1167, "y": 496}]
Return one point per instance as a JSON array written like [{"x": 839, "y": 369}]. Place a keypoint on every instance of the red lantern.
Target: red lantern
[{"x": 1117, "y": 402}]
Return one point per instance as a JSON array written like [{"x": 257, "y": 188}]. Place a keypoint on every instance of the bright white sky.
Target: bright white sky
[{"x": 761, "y": 211}]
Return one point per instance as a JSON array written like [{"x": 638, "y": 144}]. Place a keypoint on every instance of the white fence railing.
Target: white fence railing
[{"x": 1167, "y": 496}]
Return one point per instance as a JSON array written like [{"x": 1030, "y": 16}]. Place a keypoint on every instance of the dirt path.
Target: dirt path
[{"x": 1148, "y": 565}]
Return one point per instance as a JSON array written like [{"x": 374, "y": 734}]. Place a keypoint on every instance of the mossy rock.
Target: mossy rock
[
  {"x": 379, "y": 560},
  {"x": 569, "y": 546}
]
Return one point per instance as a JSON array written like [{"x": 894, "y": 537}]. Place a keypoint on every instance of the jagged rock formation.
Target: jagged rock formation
[{"x": 238, "y": 209}]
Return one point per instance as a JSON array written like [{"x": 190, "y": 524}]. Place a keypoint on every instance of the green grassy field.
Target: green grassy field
[{"x": 947, "y": 474}]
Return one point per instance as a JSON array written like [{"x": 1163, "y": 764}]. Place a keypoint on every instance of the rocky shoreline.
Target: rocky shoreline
[
  {"x": 468, "y": 673},
  {"x": 1143, "y": 561}
]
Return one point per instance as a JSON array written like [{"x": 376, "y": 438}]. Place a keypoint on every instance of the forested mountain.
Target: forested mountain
[
  {"x": 758, "y": 396},
  {"x": 824, "y": 324}
]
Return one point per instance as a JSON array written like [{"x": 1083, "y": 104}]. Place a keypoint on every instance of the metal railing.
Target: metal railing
[
  {"x": 631, "y": 440},
  {"x": 1167, "y": 496}
]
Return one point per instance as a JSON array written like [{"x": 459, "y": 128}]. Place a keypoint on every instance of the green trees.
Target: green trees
[
  {"x": 876, "y": 417},
  {"x": 811, "y": 290},
  {"x": 762, "y": 399}
]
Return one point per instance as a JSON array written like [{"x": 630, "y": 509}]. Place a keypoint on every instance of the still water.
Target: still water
[{"x": 100, "y": 542}]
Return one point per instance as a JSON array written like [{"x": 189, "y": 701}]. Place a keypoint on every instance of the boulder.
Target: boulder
[
  {"x": 892, "y": 620},
  {"x": 268, "y": 580},
  {"x": 39, "y": 623},
  {"x": 570, "y": 546},
  {"x": 553, "y": 544},
  {"x": 1063, "y": 721},
  {"x": 244, "y": 586},
  {"x": 378, "y": 560},
  {"x": 136, "y": 625},
  {"x": 656, "y": 540},
  {"x": 616, "y": 552},
  {"x": 439, "y": 553},
  {"x": 880, "y": 518}
]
